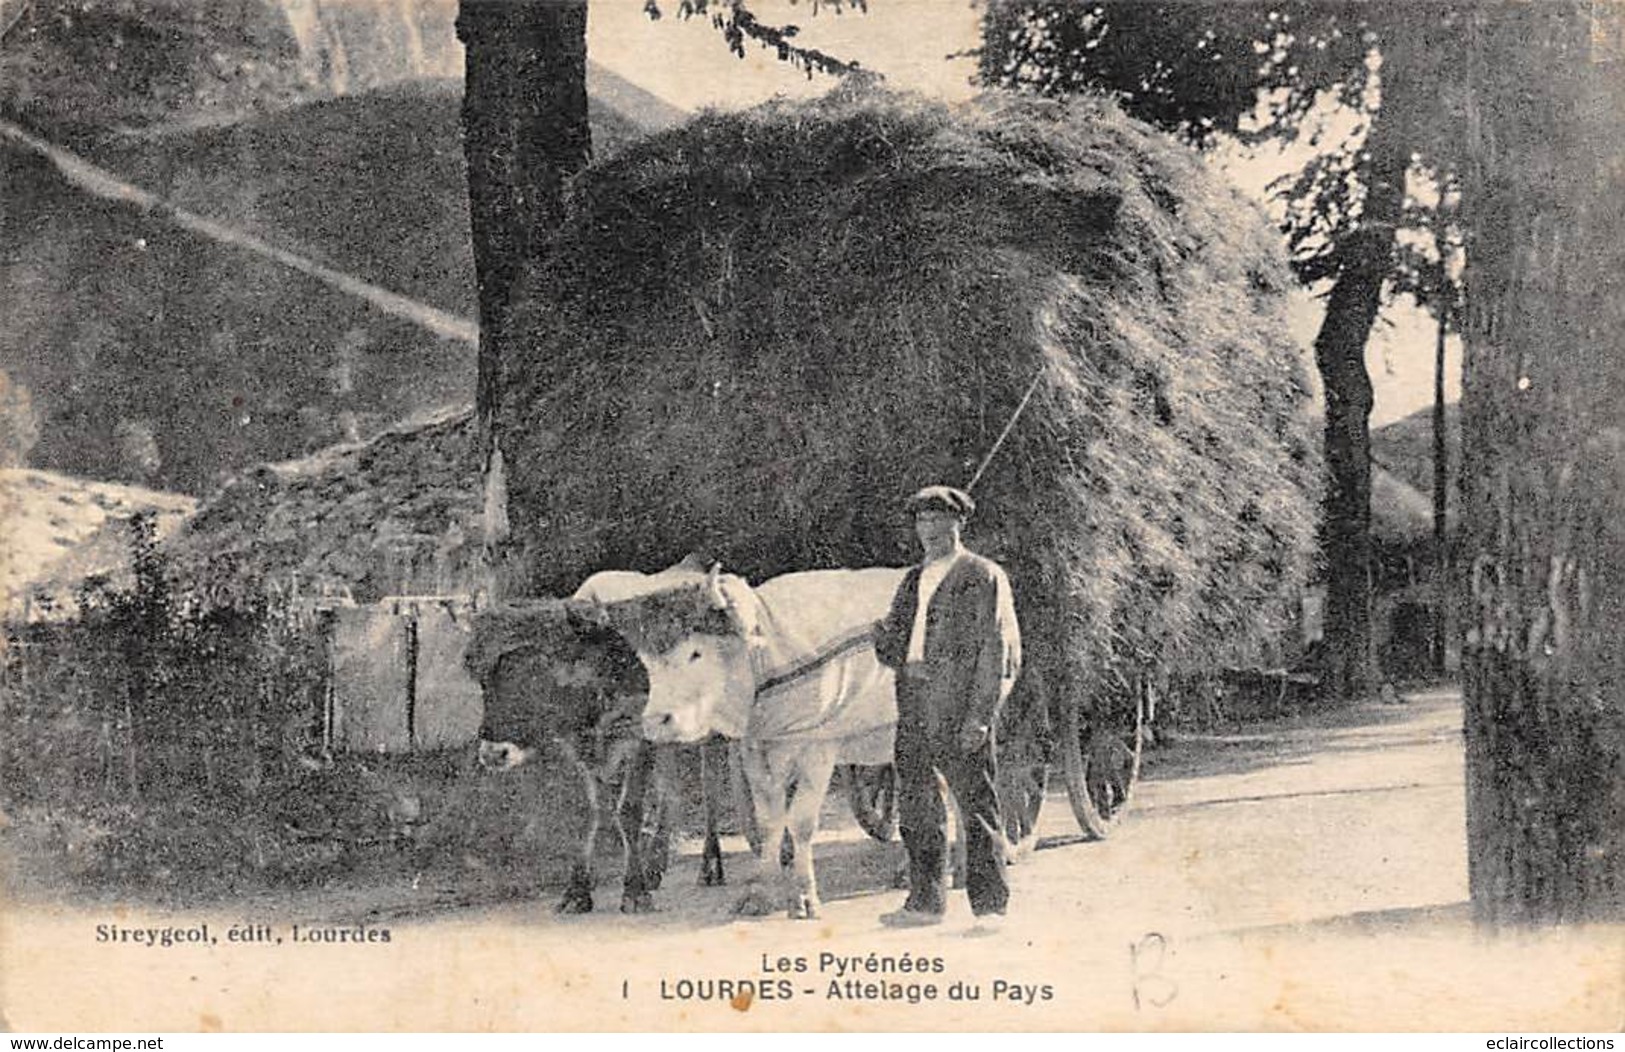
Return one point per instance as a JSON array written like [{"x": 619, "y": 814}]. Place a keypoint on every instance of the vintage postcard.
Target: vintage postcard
[{"x": 764, "y": 536}]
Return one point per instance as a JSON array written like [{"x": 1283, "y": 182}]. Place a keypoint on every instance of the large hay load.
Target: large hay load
[{"x": 758, "y": 332}]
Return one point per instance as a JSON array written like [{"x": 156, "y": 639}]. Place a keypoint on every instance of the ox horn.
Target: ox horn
[
  {"x": 713, "y": 587},
  {"x": 592, "y": 611}
]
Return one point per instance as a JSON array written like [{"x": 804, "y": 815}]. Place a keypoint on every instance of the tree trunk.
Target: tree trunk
[
  {"x": 1366, "y": 259},
  {"x": 525, "y": 132},
  {"x": 1543, "y": 459},
  {"x": 1441, "y": 475}
]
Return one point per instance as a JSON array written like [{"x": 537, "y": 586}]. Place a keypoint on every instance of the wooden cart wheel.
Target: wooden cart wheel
[
  {"x": 1022, "y": 783},
  {"x": 1026, "y": 746},
  {"x": 1102, "y": 763},
  {"x": 873, "y": 794}
]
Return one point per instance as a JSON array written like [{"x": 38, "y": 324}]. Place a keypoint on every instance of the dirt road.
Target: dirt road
[{"x": 1306, "y": 875}]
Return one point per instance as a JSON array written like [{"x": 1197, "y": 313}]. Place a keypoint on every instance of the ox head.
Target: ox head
[
  {"x": 547, "y": 672},
  {"x": 692, "y": 631}
]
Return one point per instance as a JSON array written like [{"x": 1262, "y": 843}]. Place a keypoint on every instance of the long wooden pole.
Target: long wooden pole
[{"x": 1008, "y": 425}]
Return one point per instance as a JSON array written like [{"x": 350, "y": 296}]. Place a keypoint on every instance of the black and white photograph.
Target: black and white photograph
[{"x": 542, "y": 516}]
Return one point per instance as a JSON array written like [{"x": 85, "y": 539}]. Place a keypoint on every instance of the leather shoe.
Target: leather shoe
[
  {"x": 907, "y": 918},
  {"x": 985, "y": 924}
]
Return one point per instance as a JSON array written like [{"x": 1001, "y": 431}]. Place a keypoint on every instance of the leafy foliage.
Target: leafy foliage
[
  {"x": 154, "y": 739},
  {"x": 737, "y": 24},
  {"x": 1257, "y": 72}
]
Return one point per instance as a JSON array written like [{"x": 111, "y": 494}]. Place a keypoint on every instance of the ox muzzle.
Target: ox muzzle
[
  {"x": 667, "y": 727},
  {"x": 504, "y": 756}
]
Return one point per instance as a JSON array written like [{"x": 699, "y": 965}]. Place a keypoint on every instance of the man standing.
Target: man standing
[{"x": 952, "y": 636}]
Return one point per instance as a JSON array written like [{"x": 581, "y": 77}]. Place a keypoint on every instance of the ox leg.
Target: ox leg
[
  {"x": 661, "y": 815},
  {"x": 583, "y": 877},
  {"x": 814, "y": 768},
  {"x": 637, "y": 813},
  {"x": 768, "y": 784},
  {"x": 956, "y": 850},
  {"x": 713, "y": 776}
]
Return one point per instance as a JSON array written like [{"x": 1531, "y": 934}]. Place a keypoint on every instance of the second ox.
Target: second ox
[
  {"x": 787, "y": 669},
  {"x": 552, "y": 676}
]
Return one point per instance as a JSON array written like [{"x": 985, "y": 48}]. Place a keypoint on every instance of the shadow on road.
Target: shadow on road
[
  {"x": 852, "y": 866},
  {"x": 1443, "y": 918},
  {"x": 1367, "y": 727}
]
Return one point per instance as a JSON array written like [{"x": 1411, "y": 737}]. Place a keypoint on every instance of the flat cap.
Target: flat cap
[{"x": 941, "y": 498}]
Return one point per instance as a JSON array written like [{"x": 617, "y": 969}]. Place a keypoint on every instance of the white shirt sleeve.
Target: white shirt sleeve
[{"x": 931, "y": 576}]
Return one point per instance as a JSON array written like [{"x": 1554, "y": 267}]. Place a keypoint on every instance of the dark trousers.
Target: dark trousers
[{"x": 923, "y": 749}]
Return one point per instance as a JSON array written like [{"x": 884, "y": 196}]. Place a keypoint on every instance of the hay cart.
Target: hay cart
[
  {"x": 1096, "y": 743},
  {"x": 783, "y": 319}
]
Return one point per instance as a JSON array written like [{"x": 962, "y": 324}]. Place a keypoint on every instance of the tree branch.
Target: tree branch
[{"x": 737, "y": 23}]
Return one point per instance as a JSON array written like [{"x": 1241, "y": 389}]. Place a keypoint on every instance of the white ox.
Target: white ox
[{"x": 787, "y": 669}]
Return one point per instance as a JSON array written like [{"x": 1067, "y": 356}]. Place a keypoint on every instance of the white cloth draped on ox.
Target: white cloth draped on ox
[{"x": 812, "y": 654}]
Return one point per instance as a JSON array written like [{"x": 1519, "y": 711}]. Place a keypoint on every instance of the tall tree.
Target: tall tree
[
  {"x": 1429, "y": 270},
  {"x": 1270, "y": 71},
  {"x": 525, "y": 132},
  {"x": 1544, "y": 462}
]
